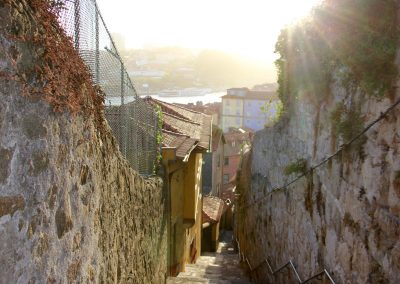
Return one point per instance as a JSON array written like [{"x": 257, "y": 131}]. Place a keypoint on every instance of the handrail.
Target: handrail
[
  {"x": 324, "y": 272},
  {"x": 291, "y": 265},
  {"x": 319, "y": 274}
]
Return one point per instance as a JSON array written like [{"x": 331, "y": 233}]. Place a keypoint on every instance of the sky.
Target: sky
[{"x": 244, "y": 27}]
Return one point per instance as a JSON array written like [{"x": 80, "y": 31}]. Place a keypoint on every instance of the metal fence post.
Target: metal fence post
[
  {"x": 97, "y": 60},
  {"x": 77, "y": 23},
  {"x": 124, "y": 116},
  {"x": 135, "y": 125},
  {"x": 122, "y": 85}
]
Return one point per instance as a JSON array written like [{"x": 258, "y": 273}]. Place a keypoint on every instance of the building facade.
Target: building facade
[
  {"x": 242, "y": 107},
  {"x": 235, "y": 139},
  {"x": 186, "y": 138}
]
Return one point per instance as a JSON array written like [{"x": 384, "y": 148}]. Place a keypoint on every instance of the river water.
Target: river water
[{"x": 205, "y": 99}]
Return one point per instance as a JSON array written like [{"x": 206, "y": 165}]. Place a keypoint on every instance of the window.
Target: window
[
  {"x": 226, "y": 161},
  {"x": 218, "y": 161},
  {"x": 226, "y": 178},
  {"x": 233, "y": 143}
]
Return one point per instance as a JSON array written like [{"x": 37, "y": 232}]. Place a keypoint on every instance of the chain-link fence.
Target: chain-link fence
[{"x": 133, "y": 121}]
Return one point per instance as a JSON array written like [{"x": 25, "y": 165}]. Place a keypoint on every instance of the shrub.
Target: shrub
[
  {"x": 299, "y": 167},
  {"x": 357, "y": 37}
]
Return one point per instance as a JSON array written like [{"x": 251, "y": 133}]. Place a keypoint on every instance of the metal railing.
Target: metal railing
[
  {"x": 134, "y": 122},
  {"x": 289, "y": 265}
]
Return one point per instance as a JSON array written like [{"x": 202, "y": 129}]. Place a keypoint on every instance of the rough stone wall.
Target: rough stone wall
[
  {"x": 71, "y": 209},
  {"x": 345, "y": 216}
]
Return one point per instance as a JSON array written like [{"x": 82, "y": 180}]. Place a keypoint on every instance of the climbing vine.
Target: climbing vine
[
  {"x": 353, "y": 41},
  {"x": 159, "y": 137}
]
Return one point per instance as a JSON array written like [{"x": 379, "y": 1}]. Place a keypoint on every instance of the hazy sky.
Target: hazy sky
[{"x": 248, "y": 28}]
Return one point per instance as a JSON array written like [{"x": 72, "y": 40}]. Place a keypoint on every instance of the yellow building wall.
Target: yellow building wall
[
  {"x": 177, "y": 200},
  {"x": 192, "y": 187},
  {"x": 215, "y": 235},
  {"x": 193, "y": 244},
  {"x": 177, "y": 234},
  {"x": 186, "y": 209}
]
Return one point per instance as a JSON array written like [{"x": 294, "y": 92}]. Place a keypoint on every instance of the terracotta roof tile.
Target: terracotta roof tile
[
  {"x": 182, "y": 143},
  {"x": 213, "y": 207},
  {"x": 237, "y": 136},
  {"x": 228, "y": 192},
  {"x": 180, "y": 122}
]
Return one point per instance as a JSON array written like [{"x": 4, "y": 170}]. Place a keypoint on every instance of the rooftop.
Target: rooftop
[
  {"x": 183, "y": 129},
  {"x": 228, "y": 192},
  {"x": 213, "y": 208},
  {"x": 237, "y": 135}
]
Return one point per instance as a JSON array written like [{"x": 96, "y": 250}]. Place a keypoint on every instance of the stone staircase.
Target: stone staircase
[{"x": 221, "y": 267}]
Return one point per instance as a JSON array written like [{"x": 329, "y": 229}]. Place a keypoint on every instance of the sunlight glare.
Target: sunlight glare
[{"x": 247, "y": 28}]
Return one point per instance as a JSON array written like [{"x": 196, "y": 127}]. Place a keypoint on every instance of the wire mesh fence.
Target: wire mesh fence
[{"x": 133, "y": 121}]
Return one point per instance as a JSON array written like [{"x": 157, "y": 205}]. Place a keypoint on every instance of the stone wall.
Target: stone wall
[
  {"x": 71, "y": 209},
  {"x": 345, "y": 215}
]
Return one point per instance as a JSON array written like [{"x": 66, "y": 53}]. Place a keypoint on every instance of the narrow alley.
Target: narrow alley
[
  {"x": 220, "y": 267},
  {"x": 200, "y": 141}
]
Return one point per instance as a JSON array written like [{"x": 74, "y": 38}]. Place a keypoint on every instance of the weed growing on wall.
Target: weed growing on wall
[
  {"x": 279, "y": 112},
  {"x": 159, "y": 137},
  {"x": 346, "y": 122},
  {"x": 297, "y": 167}
]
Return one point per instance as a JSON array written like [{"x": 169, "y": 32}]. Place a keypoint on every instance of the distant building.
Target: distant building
[
  {"x": 234, "y": 141},
  {"x": 147, "y": 73},
  {"x": 242, "y": 107},
  {"x": 213, "y": 164},
  {"x": 213, "y": 109},
  {"x": 268, "y": 87}
]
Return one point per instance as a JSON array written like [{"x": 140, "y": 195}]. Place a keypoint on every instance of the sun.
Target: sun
[{"x": 296, "y": 10}]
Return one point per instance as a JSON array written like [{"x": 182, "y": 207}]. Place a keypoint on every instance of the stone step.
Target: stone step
[
  {"x": 214, "y": 271},
  {"x": 221, "y": 267},
  {"x": 172, "y": 280},
  {"x": 195, "y": 280}
]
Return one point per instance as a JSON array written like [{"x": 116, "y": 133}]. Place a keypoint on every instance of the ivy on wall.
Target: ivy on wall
[{"x": 353, "y": 41}]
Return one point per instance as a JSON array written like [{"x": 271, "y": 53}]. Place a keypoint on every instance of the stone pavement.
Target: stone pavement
[{"x": 221, "y": 267}]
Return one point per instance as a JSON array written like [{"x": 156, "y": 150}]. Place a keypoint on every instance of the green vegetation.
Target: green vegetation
[
  {"x": 280, "y": 111},
  {"x": 346, "y": 123},
  {"x": 353, "y": 41},
  {"x": 298, "y": 167},
  {"x": 159, "y": 137}
]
